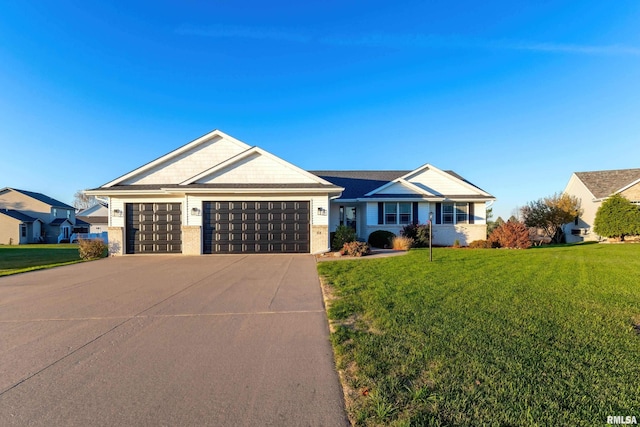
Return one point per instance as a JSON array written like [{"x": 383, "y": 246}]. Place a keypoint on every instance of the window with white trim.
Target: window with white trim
[
  {"x": 455, "y": 213},
  {"x": 447, "y": 213},
  {"x": 462, "y": 213},
  {"x": 397, "y": 213},
  {"x": 23, "y": 230}
]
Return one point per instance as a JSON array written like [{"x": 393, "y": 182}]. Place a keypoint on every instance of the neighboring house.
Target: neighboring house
[
  {"x": 217, "y": 194},
  {"x": 594, "y": 187},
  {"x": 17, "y": 228},
  {"x": 57, "y": 221},
  {"x": 97, "y": 216}
]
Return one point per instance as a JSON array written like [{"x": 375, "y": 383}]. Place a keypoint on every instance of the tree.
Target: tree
[
  {"x": 83, "y": 201},
  {"x": 617, "y": 217},
  {"x": 493, "y": 225},
  {"x": 511, "y": 234},
  {"x": 551, "y": 213}
]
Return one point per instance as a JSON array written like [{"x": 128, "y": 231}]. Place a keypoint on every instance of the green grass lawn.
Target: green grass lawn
[
  {"x": 22, "y": 258},
  {"x": 545, "y": 336}
]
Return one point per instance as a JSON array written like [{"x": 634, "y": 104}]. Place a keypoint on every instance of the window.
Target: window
[
  {"x": 462, "y": 213},
  {"x": 405, "y": 213},
  {"x": 455, "y": 213},
  {"x": 55, "y": 212},
  {"x": 397, "y": 213},
  {"x": 23, "y": 230},
  {"x": 447, "y": 213},
  {"x": 390, "y": 213},
  {"x": 68, "y": 214}
]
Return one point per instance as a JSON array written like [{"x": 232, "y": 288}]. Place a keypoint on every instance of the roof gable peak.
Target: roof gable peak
[{"x": 212, "y": 137}]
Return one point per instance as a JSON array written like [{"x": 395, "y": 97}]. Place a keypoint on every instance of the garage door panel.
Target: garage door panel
[
  {"x": 153, "y": 228},
  {"x": 256, "y": 227}
]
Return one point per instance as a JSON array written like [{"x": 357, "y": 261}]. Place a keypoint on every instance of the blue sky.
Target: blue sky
[{"x": 514, "y": 96}]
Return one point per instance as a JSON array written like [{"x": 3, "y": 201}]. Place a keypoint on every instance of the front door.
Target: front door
[{"x": 348, "y": 217}]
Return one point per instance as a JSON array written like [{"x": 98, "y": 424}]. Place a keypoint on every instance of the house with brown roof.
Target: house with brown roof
[
  {"x": 30, "y": 217},
  {"x": 218, "y": 195},
  {"x": 592, "y": 188}
]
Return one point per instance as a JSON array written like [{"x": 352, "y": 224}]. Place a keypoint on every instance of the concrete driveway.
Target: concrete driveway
[{"x": 168, "y": 340}]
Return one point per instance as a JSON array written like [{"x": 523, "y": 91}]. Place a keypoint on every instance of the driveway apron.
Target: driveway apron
[{"x": 224, "y": 340}]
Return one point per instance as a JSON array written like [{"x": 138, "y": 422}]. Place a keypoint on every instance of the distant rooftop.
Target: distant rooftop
[
  {"x": 604, "y": 183},
  {"x": 41, "y": 197},
  {"x": 17, "y": 215}
]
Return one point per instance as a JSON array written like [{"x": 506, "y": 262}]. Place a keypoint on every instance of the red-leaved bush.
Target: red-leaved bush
[
  {"x": 355, "y": 249},
  {"x": 511, "y": 234}
]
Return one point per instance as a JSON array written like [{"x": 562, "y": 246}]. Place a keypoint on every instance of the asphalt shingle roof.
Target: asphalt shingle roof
[
  {"x": 17, "y": 215},
  {"x": 604, "y": 183},
  {"x": 59, "y": 221},
  {"x": 92, "y": 219},
  {"x": 358, "y": 183},
  {"x": 44, "y": 199},
  {"x": 212, "y": 186}
]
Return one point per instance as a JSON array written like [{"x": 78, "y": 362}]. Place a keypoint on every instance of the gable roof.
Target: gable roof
[
  {"x": 18, "y": 215},
  {"x": 216, "y": 161},
  {"x": 175, "y": 154},
  {"x": 92, "y": 219},
  {"x": 366, "y": 183},
  {"x": 358, "y": 183},
  {"x": 99, "y": 209},
  {"x": 59, "y": 221},
  {"x": 255, "y": 152},
  {"x": 40, "y": 197},
  {"x": 605, "y": 183}
]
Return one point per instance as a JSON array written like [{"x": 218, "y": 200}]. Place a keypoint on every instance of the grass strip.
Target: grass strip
[{"x": 19, "y": 259}]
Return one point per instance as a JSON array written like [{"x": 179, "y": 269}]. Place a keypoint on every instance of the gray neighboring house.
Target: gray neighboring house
[
  {"x": 592, "y": 188},
  {"x": 37, "y": 217}
]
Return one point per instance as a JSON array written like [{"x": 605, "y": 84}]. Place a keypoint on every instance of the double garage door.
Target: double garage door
[
  {"x": 256, "y": 227},
  {"x": 228, "y": 227}
]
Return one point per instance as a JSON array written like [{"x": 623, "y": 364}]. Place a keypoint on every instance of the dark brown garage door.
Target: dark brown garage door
[
  {"x": 153, "y": 228},
  {"x": 256, "y": 227}
]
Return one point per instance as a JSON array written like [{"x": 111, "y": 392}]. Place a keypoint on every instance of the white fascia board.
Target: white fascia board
[
  {"x": 466, "y": 199},
  {"x": 385, "y": 198},
  {"x": 247, "y": 153},
  {"x": 627, "y": 186},
  {"x": 238, "y": 157},
  {"x": 453, "y": 178},
  {"x": 575, "y": 179},
  {"x": 403, "y": 178},
  {"x": 119, "y": 192},
  {"x": 175, "y": 153},
  {"x": 231, "y": 190},
  {"x": 404, "y": 182}
]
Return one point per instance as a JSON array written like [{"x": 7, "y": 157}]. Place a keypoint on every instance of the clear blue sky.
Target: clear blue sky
[{"x": 514, "y": 96}]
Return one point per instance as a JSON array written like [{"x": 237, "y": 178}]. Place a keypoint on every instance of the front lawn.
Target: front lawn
[
  {"x": 22, "y": 258},
  {"x": 545, "y": 336}
]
